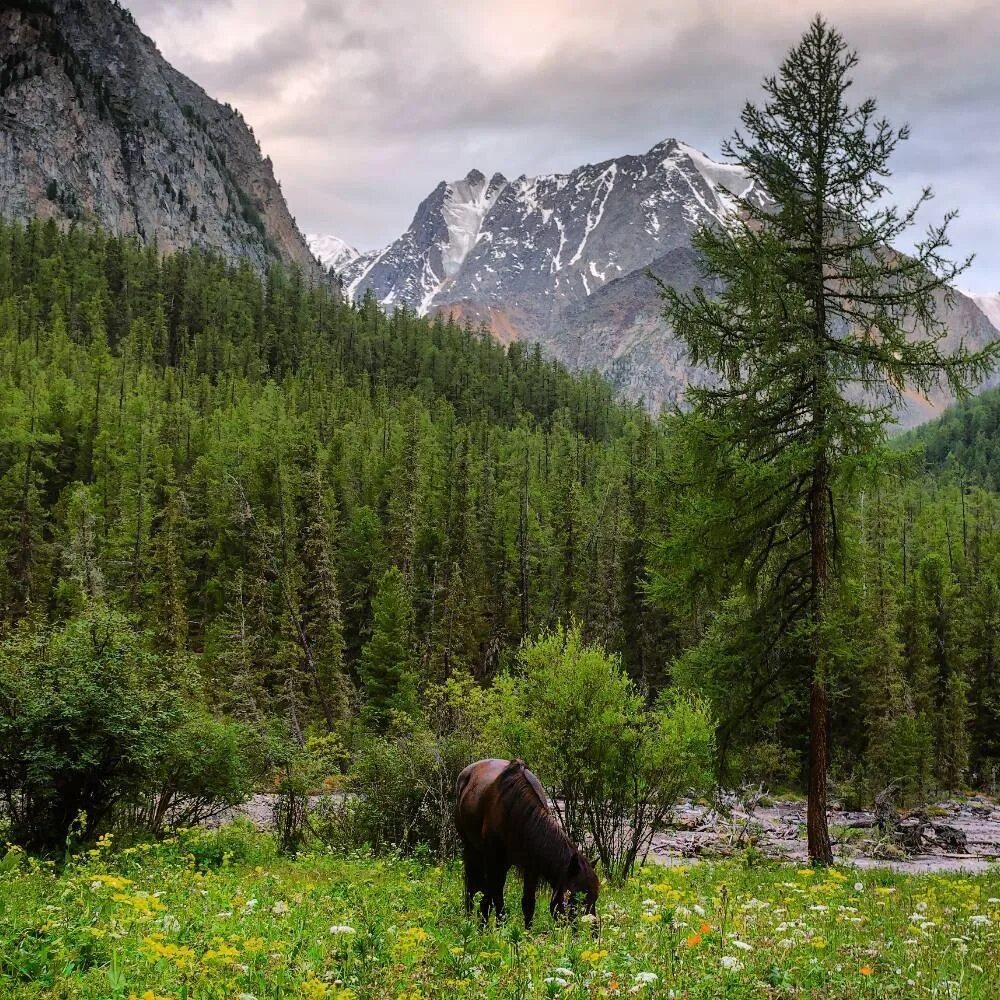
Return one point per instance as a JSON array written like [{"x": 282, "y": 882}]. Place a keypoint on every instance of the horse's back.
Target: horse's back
[{"x": 477, "y": 789}]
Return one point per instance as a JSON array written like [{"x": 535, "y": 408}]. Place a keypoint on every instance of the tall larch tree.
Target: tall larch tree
[{"x": 820, "y": 326}]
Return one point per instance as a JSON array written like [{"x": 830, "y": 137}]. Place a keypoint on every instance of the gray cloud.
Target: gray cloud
[{"x": 364, "y": 105}]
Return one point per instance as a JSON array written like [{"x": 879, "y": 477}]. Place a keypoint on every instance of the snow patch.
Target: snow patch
[
  {"x": 605, "y": 185},
  {"x": 466, "y": 204}
]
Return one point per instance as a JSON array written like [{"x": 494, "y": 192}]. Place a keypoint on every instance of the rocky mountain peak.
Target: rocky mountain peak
[
  {"x": 564, "y": 260},
  {"x": 98, "y": 125}
]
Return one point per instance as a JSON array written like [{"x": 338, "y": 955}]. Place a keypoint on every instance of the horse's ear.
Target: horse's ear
[{"x": 574, "y": 865}]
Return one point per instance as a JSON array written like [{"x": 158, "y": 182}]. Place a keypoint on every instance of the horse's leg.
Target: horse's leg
[
  {"x": 473, "y": 869},
  {"x": 528, "y": 899},
  {"x": 499, "y": 882},
  {"x": 486, "y": 871}
]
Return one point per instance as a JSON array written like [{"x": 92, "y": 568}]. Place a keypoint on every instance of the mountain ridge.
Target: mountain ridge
[{"x": 563, "y": 260}]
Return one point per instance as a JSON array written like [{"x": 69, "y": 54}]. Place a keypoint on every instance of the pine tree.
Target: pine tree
[
  {"x": 319, "y": 601},
  {"x": 814, "y": 302},
  {"x": 388, "y": 659}
]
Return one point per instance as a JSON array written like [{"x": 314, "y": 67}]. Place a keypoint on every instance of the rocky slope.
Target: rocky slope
[
  {"x": 94, "y": 123},
  {"x": 564, "y": 260}
]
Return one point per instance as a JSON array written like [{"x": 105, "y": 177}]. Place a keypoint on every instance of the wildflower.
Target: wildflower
[
  {"x": 223, "y": 953},
  {"x": 594, "y": 955},
  {"x": 705, "y": 928},
  {"x": 865, "y": 970},
  {"x": 742, "y": 945},
  {"x": 646, "y": 977},
  {"x": 693, "y": 940},
  {"x": 556, "y": 981},
  {"x": 110, "y": 881},
  {"x": 859, "y": 887},
  {"x": 341, "y": 929},
  {"x": 313, "y": 988},
  {"x": 730, "y": 963},
  {"x": 562, "y": 971},
  {"x": 807, "y": 871},
  {"x": 279, "y": 908},
  {"x": 979, "y": 920}
]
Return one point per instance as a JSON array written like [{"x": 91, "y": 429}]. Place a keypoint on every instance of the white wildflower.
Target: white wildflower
[
  {"x": 279, "y": 908},
  {"x": 731, "y": 963},
  {"x": 341, "y": 929},
  {"x": 742, "y": 945},
  {"x": 646, "y": 977}
]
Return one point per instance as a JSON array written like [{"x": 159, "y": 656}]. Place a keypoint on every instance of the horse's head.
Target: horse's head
[{"x": 579, "y": 886}]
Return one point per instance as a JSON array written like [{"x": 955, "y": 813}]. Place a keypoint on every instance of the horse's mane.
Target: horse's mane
[{"x": 542, "y": 847}]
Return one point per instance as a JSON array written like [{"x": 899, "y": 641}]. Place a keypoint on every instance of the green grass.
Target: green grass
[{"x": 221, "y": 915}]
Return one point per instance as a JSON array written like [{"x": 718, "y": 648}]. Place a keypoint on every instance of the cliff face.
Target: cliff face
[{"x": 95, "y": 123}]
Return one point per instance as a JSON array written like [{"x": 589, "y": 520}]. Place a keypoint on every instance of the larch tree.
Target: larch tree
[{"x": 819, "y": 328}]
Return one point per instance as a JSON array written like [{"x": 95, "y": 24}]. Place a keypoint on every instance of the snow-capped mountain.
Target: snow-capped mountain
[
  {"x": 564, "y": 260},
  {"x": 331, "y": 251}
]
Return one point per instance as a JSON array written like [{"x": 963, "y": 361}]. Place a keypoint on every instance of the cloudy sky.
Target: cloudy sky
[{"x": 364, "y": 105}]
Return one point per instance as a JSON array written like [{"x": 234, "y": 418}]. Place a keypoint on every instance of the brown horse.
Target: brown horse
[{"x": 504, "y": 821}]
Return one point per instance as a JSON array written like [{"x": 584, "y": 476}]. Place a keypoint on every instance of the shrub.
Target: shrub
[
  {"x": 83, "y": 710},
  {"x": 93, "y": 733},
  {"x": 402, "y": 785},
  {"x": 618, "y": 766},
  {"x": 205, "y": 766},
  {"x": 238, "y": 842}
]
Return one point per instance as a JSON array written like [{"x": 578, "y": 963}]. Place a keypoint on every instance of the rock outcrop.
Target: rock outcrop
[{"x": 96, "y": 124}]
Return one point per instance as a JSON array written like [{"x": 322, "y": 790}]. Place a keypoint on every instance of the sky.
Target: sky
[{"x": 364, "y": 105}]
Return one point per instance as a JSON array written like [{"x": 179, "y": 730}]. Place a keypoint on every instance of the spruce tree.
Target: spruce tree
[
  {"x": 388, "y": 659},
  {"x": 818, "y": 329}
]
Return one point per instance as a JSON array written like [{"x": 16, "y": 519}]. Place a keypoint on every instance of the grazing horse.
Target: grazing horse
[{"x": 504, "y": 821}]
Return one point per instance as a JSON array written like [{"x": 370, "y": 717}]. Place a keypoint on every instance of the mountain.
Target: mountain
[
  {"x": 564, "y": 260},
  {"x": 96, "y": 124},
  {"x": 331, "y": 251}
]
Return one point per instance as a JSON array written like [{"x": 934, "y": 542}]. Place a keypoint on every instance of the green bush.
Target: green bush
[
  {"x": 93, "y": 733},
  {"x": 206, "y": 766},
  {"x": 402, "y": 785},
  {"x": 617, "y": 765},
  {"x": 238, "y": 842},
  {"x": 83, "y": 714}
]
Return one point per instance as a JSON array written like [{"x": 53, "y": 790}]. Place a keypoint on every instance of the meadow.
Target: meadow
[{"x": 222, "y": 915}]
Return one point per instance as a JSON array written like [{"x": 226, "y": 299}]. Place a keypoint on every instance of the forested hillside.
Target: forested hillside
[
  {"x": 306, "y": 513},
  {"x": 203, "y": 449},
  {"x": 965, "y": 437}
]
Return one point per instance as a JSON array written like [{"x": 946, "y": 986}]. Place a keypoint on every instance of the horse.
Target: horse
[{"x": 503, "y": 821}]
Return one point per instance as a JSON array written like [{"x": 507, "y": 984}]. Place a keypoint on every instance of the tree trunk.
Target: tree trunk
[{"x": 820, "y": 849}]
